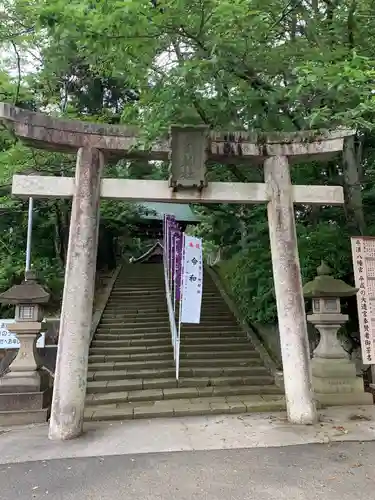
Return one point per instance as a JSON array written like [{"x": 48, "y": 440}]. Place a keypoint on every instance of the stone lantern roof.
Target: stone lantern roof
[
  {"x": 325, "y": 285},
  {"x": 28, "y": 292}
]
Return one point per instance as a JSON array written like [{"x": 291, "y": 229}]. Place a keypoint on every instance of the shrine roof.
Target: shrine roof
[{"x": 156, "y": 211}]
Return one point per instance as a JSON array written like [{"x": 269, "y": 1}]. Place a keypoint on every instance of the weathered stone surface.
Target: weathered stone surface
[
  {"x": 159, "y": 382},
  {"x": 43, "y": 131},
  {"x": 96, "y": 386},
  {"x": 193, "y": 409},
  {"x": 181, "y": 392},
  {"x": 146, "y": 394},
  {"x": 103, "y": 413},
  {"x": 345, "y": 398},
  {"x": 21, "y": 401},
  {"x": 23, "y": 417},
  {"x": 158, "y": 409},
  {"x": 137, "y": 190},
  {"x": 124, "y": 385},
  {"x": 108, "y": 398},
  {"x": 223, "y": 358},
  {"x": 288, "y": 291},
  {"x": 76, "y": 314}
]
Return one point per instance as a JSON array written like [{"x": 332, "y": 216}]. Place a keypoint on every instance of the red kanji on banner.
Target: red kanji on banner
[
  {"x": 197, "y": 245},
  {"x": 191, "y": 245}
]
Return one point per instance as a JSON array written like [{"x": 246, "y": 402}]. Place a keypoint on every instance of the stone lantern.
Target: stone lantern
[
  {"x": 334, "y": 376},
  {"x": 22, "y": 385}
]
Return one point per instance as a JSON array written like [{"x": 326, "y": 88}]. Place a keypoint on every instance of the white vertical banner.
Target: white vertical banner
[
  {"x": 192, "y": 280},
  {"x": 363, "y": 252}
]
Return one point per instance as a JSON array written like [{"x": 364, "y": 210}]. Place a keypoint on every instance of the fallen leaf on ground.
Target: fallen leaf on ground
[
  {"x": 340, "y": 428},
  {"x": 360, "y": 417}
]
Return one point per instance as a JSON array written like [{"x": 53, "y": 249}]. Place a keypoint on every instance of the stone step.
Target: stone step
[
  {"x": 178, "y": 393},
  {"x": 130, "y": 350},
  {"x": 154, "y": 284},
  {"x": 154, "y": 287},
  {"x": 187, "y": 349},
  {"x": 130, "y": 319},
  {"x": 110, "y": 342},
  {"x": 164, "y": 337},
  {"x": 214, "y": 324},
  {"x": 169, "y": 371},
  {"x": 149, "y": 293},
  {"x": 130, "y": 296},
  {"x": 132, "y": 374},
  {"x": 97, "y": 363},
  {"x": 114, "y": 358},
  {"x": 185, "y": 362},
  {"x": 185, "y": 407},
  {"x": 123, "y": 354},
  {"x": 217, "y": 350},
  {"x": 216, "y": 338},
  {"x": 106, "y": 386},
  {"x": 109, "y": 321},
  {"x": 135, "y": 364},
  {"x": 198, "y": 329},
  {"x": 123, "y": 358},
  {"x": 153, "y": 280},
  {"x": 251, "y": 356},
  {"x": 191, "y": 351},
  {"x": 129, "y": 335},
  {"x": 127, "y": 316},
  {"x": 120, "y": 308},
  {"x": 131, "y": 366},
  {"x": 223, "y": 362},
  {"x": 23, "y": 417},
  {"x": 193, "y": 338},
  {"x": 135, "y": 304}
]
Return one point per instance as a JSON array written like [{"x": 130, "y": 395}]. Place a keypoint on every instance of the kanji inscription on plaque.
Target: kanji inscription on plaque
[{"x": 363, "y": 252}]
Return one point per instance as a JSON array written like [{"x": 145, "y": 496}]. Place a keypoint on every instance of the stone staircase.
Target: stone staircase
[{"x": 131, "y": 369}]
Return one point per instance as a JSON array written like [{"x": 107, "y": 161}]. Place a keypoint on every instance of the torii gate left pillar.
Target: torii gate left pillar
[
  {"x": 70, "y": 382},
  {"x": 91, "y": 140}
]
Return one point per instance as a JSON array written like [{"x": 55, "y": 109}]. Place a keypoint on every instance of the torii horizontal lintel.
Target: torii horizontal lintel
[
  {"x": 57, "y": 134},
  {"x": 158, "y": 191}
]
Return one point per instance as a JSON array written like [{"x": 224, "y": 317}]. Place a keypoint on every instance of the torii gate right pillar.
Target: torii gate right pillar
[{"x": 288, "y": 291}]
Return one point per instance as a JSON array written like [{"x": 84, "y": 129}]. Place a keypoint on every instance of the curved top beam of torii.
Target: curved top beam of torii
[{"x": 42, "y": 131}]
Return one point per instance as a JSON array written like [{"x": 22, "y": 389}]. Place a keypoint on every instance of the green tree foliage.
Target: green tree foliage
[{"x": 281, "y": 65}]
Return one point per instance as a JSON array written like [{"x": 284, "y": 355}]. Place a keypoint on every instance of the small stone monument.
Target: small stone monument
[
  {"x": 334, "y": 376},
  {"x": 23, "y": 390}
]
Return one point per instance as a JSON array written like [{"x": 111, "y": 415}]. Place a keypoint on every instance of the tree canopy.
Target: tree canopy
[{"x": 281, "y": 65}]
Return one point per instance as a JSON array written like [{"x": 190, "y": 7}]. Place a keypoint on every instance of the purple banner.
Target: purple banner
[
  {"x": 169, "y": 223},
  {"x": 173, "y": 245},
  {"x": 178, "y": 237}
]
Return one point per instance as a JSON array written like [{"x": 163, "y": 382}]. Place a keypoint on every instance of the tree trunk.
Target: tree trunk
[
  {"x": 62, "y": 229},
  {"x": 352, "y": 188}
]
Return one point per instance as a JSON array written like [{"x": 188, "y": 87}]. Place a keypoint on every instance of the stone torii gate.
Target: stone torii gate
[{"x": 188, "y": 149}]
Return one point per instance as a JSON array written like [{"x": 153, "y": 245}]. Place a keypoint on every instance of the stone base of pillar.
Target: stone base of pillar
[
  {"x": 335, "y": 383},
  {"x": 20, "y": 382},
  {"x": 25, "y": 398},
  {"x": 348, "y": 399}
]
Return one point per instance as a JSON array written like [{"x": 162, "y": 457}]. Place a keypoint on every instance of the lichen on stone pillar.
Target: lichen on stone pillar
[
  {"x": 76, "y": 313},
  {"x": 288, "y": 291}
]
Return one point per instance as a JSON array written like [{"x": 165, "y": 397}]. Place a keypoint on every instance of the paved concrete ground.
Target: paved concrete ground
[
  {"x": 188, "y": 434},
  {"x": 308, "y": 472}
]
